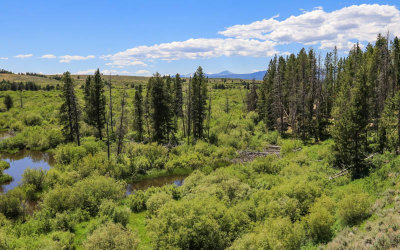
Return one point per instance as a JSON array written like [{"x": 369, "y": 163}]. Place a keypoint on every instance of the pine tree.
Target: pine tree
[
  {"x": 303, "y": 78},
  {"x": 178, "y": 100},
  {"x": 171, "y": 129},
  {"x": 122, "y": 128},
  {"x": 279, "y": 95},
  {"x": 159, "y": 108},
  {"x": 199, "y": 102},
  {"x": 8, "y": 102},
  {"x": 252, "y": 97},
  {"x": 265, "y": 101},
  {"x": 69, "y": 110},
  {"x": 138, "y": 113},
  {"x": 293, "y": 93},
  {"x": 95, "y": 103},
  {"x": 350, "y": 130}
]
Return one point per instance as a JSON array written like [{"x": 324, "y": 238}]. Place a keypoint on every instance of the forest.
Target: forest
[{"x": 307, "y": 158}]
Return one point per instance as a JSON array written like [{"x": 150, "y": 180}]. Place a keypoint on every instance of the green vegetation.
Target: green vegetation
[
  {"x": 4, "y": 178},
  {"x": 307, "y": 158}
]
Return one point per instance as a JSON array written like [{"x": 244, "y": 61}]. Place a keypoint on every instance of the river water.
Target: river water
[
  {"x": 22, "y": 160},
  {"x": 36, "y": 159},
  {"x": 155, "y": 182}
]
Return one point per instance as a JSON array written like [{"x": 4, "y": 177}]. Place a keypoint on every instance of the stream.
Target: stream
[
  {"x": 22, "y": 160},
  {"x": 155, "y": 182},
  {"x": 36, "y": 159}
]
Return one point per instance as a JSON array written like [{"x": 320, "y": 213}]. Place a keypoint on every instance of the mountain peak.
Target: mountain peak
[{"x": 225, "y": 72}]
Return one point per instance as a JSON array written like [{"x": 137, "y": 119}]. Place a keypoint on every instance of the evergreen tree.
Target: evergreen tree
[
  {"x": 95, "y": 103},
  {"x": 159, "y": 108},
  {"x": 265, "y": 102},
  {"x": 138, "y": 113},
  {"x": 69, "y": 110},
  {"x": 171, "y": 129},
  {"x": 198, "y": 103},
  {"x": 8, "y": 102},
  {"x": 279, "y": 95},
  {"x": 122, "y": 128},
  {"x": 178, "y": 100},
  {"x": 252, "y": 97},
  {"x": 350, "y": 130}
]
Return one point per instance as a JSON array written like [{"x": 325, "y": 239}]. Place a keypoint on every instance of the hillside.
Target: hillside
[{"x": 28, "y": 78}]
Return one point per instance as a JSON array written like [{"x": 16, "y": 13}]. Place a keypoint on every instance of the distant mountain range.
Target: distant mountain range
[{"x": 259, "y": 75}]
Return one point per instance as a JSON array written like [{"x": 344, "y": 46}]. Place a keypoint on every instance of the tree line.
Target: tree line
[
  {"x": 355, "y": 99},
  {"x": 157, "y": 115},
  {"x": 18, "y": 86}
]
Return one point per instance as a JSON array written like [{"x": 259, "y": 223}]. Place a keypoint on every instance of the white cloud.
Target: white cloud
[
  {"x": 23, "y": 56},
  {"x": 48, "y": 56},
  {"x": 3, "y": 58},
  {"x": 193, "y": 49},
  {"x": 104, "y": 72},
  {"x": 68, "y": 58},
  {"x": 125, "y": 62},
  {"x": 85, "y": 72},
  {"x": 143, "y": 72},
  {"x": 340, "y": 27}
]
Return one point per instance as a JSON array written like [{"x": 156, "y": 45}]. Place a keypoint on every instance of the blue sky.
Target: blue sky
[{"x": 145, "y": 36}]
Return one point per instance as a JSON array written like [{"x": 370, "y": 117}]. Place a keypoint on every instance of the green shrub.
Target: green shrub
[
  {"x": 156, "y": 201},
  {"x": 111, "y": 236},
  {"x": 63, "y": 240},
  {"x": 32, "y": 119},
  {"x": 34, "y": 177},
  {"x": 354, "y": 208},
  {"x": 4, "y": 165},
  {"x": 4, "y": 178},
  {"x": 191, "y": 160},
  {"x": 116, "y": 214},
  {"x": 86, "y": 194},
  {"x": 266, "y": 165},
  {"x": 92, "y": 145},
  {"x": 16, "y": 142},
  {"x": 137, "y": 201},
  {"x": 279, "y": 233},
  {"x": 290, "y": 146},
  {"x": 10, "y": 204},
  {"x": 69, "y": 153},
  {"x": 200, "y": 223},
  {"x": 143, "y": 157},
  {"x": 321, "y": 219}
]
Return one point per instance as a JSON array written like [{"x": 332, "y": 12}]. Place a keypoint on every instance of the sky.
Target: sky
[{"x": 141, "y": 37}]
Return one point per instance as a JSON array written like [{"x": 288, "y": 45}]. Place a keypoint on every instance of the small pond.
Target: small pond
[
  {"x": 22, "y": 160},
  {"x": 155, "y": 182}
]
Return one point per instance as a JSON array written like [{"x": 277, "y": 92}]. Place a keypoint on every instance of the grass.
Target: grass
[
  {"x": 82, "y": 230},
  {"x": 137, "y": 223},
  {"x": 24, "y": 78}
]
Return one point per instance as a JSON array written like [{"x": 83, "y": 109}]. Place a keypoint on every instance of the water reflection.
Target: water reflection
[
  {"x": 156, "y": 182},
  {"x": 22, "y": 160}
]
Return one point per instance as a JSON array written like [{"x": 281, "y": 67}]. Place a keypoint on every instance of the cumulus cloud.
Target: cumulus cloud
[
  {"x": 3, "y": 58},
  {"x": 48, "y": 56},
  {"x": 68, "y": 58},
  {"x": 22, "y": 56},
  {"x": 193, "y": 49},
  {"x": 340, "y": 27}
]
